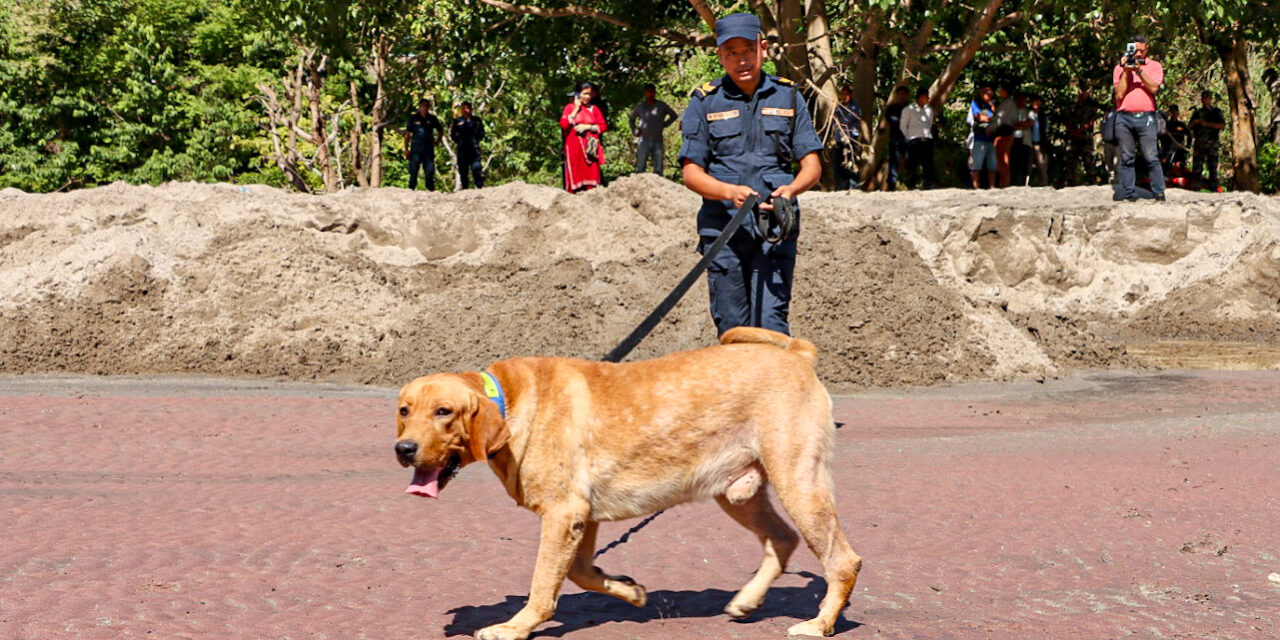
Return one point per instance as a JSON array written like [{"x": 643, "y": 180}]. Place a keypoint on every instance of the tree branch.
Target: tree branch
[
  {"x": 704, "y": 10},
  {"x": 575, "y": 11}
]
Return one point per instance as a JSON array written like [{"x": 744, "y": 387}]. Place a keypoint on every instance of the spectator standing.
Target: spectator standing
[
  {"x": 1081, "y": 118},
  {"x": 848, "y": 139},
  {"x": 982, "y": 153},
  {"x": 1040, "y": 140},
  {"x": 421, "y": 133},
  {"x": 897, "y": 143},
  {"x": 1175, "y": 144},
  {"x": 467, "y": 132},
  {"x": 654, "y": 116},
  {"x": 1001, "y": 130},
  {"x": 1206, "y": 124},
  {"x": 1137, "y": 79},
  {"x": 917, "y": 129},
  {"x": 742, "y": 134},
  {"x": 582, "y": 122}
]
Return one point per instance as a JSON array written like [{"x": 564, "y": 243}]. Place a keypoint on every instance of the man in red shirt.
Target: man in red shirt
[{"x": 1137, "y": 79}]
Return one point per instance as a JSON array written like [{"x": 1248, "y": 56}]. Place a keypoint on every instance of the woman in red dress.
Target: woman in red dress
[{"x": 582, "y": 123}]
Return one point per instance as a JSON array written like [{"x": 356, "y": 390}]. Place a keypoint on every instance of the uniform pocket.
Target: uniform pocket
[
  {"x": 777, "y": 130},
  {"x": 726, "y": 136},
  {"x": 777, "y": 124}
]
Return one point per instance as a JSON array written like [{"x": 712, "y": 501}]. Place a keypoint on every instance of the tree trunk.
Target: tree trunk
[
  {"x": 315, "y": 95},
  {"x": 875, "y": 173},
  {"x": 295, "y": 116},
  {"x": 358, "y": 165},
  {"x": 1234, "y": 55},
  {"x": 795, "y": 53},
  {"x": 286, "y": 153},
  {"x": 864, "y": 69},
  {"x": 378, "y": 114}
]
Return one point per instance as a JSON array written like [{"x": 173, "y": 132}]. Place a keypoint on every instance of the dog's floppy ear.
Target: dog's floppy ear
[{"x": 486, "y": 430}]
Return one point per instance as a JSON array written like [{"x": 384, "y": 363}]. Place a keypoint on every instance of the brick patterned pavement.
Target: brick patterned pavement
[{"x": 1109, "y": 505}]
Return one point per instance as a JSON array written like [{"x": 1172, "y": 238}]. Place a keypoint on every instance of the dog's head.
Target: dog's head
[{"x": 443, "y": 423}]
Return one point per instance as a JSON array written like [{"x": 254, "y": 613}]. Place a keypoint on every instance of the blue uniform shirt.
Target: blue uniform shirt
[
  {"x": 422, "y": 132},
  {"x": 746, "y": 140}
]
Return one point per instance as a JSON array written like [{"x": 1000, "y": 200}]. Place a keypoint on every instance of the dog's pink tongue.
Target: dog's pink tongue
[{"x": 425, "y": 483}]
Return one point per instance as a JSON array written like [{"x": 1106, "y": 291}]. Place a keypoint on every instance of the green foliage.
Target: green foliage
[
  {"x": 1269, "y": 167},
  {"x": 93, "y": 91},
  {"x": 104, "y": 90}
]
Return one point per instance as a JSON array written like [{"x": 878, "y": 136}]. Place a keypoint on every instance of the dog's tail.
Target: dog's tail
[{"x": 755, "y": 335}]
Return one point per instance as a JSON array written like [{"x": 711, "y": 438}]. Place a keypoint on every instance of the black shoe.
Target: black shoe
[{"x": 1160, "y": 197}]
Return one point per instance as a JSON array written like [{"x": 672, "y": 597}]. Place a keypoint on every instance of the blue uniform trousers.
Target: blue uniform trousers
[
  {"x": 750, "y": 286},
  {"x": 470, "y": 161},
  {"x": 425, "y": 160}
]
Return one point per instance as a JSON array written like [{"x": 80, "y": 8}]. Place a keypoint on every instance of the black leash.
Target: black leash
[
  {"x": 627, "y": 536},
  {"x": 619, "y": 352}
]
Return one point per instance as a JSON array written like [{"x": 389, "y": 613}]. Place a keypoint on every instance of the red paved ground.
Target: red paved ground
[{"x": 1102, "y": 507}]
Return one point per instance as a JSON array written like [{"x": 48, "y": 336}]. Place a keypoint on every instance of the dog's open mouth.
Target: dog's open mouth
[{"x": 428, "y": 482}]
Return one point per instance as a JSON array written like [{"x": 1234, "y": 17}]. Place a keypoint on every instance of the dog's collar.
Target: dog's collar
[{"x": 493, "y": 389}]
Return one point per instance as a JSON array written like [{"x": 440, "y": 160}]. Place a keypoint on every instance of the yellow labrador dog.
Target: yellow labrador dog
[{"x": 580, "y": 442}]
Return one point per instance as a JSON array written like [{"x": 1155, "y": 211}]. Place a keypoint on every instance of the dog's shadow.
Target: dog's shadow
[{"x": 585, "y": 610}]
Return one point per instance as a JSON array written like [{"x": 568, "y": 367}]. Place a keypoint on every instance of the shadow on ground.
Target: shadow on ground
[{"x": 585, "y": 610}]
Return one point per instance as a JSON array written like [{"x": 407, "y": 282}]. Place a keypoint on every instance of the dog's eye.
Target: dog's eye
[
  {"x": 404, "y": 412},
  {"x": 444, "y": 412}
]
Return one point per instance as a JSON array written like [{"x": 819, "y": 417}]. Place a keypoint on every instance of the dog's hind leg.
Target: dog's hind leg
[
  {"x": 805, "y": 492},
  {"x": 585, "y": 574},
  {"x": 779, "y": 540}
]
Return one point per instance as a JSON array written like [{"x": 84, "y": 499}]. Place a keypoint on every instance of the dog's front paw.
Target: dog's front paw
[
  {"x": 502, "y": 632},
  {"x": 809, "y": 628}
]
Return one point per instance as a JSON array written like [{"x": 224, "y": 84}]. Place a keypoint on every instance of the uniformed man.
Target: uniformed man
[
  {"x": 742, "y": 134},
  {"x": 1206, "y": 123},
  {"x": 421, "y": 134},
  {"x": 467, "y": 132}
]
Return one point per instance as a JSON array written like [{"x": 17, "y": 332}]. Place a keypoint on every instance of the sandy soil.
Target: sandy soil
[
  {"x": 377, "y": 286},
  {"x": 1099, "y": 506}
]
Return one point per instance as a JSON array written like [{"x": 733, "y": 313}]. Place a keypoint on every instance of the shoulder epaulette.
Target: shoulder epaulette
[
  {"x": 782, "y": 80},
  {"x": 706, "y": 89}
]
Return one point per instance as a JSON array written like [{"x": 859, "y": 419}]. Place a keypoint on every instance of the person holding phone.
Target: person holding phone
[{"x": 582, "y": 122}]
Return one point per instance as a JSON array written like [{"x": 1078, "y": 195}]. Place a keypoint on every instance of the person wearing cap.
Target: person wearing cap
[
  {"x": 421, "y": 133},
  {"x": 742, "y": 134},
  {"x": 467, "y": 131}
]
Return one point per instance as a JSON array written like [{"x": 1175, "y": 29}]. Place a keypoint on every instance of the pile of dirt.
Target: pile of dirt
[{"x": 379, "y": 286}]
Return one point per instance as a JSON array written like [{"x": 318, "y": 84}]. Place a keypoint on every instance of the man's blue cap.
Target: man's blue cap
[{"x": 737, "y": 25}]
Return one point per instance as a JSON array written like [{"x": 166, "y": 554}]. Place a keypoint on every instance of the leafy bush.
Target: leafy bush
[{"x": 1269, "y": 167}]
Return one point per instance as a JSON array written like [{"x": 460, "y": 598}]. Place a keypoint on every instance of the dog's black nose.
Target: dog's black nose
[{"x": 406, "y": 450}]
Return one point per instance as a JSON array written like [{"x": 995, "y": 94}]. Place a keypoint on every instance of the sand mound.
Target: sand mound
[{"x": 381, "y": 285}]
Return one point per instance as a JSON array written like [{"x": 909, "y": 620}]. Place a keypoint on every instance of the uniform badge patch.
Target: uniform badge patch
[
  {"x": 774, "y": 111},
  {"x": 722, "y": 115}
]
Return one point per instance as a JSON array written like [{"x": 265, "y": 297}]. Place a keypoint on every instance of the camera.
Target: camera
[{"x": 1131, "y": 56}]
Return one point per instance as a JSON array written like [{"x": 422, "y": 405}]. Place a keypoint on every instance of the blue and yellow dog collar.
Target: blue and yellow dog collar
[{"x": 493, "y": 390}]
